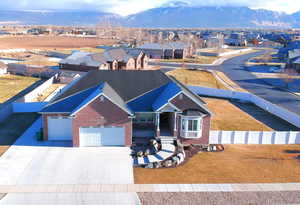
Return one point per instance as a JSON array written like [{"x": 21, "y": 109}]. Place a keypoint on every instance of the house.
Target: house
[
  {"x": 173, "y": 50},
  {"x": 3, "y": 68},
  {"x": 112, "y": 108},
  {"x": 296, "y": 64},
  {"x": 111, "y": 59}
]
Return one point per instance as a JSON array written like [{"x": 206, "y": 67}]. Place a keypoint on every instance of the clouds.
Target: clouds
[{"x": 125, "y": 7}]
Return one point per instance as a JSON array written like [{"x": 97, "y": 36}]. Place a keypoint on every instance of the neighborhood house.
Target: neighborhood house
[
  {"x": 112, "y": 108},
  {"x": 111, "y": 59},
  {"x": 173, "y": 50},
  {"x": 3, "y": 68}
]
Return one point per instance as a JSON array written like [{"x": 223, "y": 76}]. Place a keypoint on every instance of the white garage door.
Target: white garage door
[
  {"x": 59, "y": 128},
  {"x": 104, "y": 136}
]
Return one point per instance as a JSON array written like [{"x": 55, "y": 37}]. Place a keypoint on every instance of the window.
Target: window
[
  {"x": 191, "y": 127},
  {"x": 144, "y": 118}
]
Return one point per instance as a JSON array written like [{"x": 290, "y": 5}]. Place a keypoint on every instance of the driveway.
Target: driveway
[{"x": 29, "y": 162}]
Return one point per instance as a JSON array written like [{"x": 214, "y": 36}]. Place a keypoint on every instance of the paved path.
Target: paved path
[{"x": 121, "y": 188}]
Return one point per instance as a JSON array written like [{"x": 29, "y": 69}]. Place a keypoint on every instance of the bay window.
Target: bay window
[{"x": 191, "y": 127}]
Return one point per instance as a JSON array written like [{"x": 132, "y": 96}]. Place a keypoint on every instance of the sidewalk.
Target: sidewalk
[{"x": 98, "y": 188}]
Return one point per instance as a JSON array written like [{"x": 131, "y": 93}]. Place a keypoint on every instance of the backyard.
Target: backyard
[
  {"x": 237, "y": 164},
  {"x": 10, "y": 85}
]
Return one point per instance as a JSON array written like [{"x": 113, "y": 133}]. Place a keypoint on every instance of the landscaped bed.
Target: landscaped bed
[
  {"x": 237, "y": 164},
  {"x": 197, "y": 78},
  {"x": 10, "y": 85}
]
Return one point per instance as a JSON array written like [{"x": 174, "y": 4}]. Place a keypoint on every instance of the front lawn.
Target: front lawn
[
  {"x": 237, "y": 164},
  {"x": 197, "y": 60},
  {"x": 10, "y": 85}
]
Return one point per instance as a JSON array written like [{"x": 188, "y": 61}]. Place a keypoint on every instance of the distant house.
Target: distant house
[
  {"x": 174, "y": 50},
  {"x": 111, "y": 59},
  {"x": 113, "y": 108},
  {"x": 296, "y": 64},
  {"x": 3, "y": 68}
]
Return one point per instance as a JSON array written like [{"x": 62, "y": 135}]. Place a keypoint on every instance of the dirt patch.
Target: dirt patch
[
  {"x": 220, "y": 198},
  {"x": 237, "y": 164}
]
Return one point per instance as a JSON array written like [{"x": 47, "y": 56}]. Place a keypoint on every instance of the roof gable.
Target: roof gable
[{"x": 169, "y": 92}]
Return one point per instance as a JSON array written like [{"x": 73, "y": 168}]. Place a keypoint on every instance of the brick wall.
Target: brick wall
[
  {"x": 102, "y": 113},
  {"x": 186, "y": 103}
]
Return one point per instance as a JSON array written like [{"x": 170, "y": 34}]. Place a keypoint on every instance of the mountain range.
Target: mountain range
[{"x": 168, "y": 16}]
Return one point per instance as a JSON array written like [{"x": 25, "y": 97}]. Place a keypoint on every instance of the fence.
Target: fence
[
  {"x": 19, "y": 107},
  {"x": 37, "y": 91},
  {"x": 260, "y": 102},
  {"x": 253, "y": 137}
]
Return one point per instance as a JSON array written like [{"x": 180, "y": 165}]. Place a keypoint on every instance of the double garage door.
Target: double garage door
[{"x": 101, "y": 136}]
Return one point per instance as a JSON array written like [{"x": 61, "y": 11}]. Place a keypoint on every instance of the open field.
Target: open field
[
  {"x": 13, "y": 128},
  {"x": 50, "y": 42},
  {"x": 10, "y": 85},
  {"x": 197, "y": 78},
  {"x": 237, "y": 164},
  {"x": 229, "y": 117}
]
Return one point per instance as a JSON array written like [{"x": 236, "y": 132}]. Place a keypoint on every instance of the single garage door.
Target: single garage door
[
  {"x": 59, "y": 128},
  {"x": 101, "y": 136}
]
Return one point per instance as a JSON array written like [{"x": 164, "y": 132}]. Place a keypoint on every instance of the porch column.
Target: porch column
[
  {"x": 157, "y": 121},
  {"x": 175, "y": 121},
  {"x": 157, "y": 125}
]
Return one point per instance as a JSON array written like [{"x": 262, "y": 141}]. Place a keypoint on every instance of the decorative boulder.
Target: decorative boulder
[
  {"x": 147, "y": 152},
  {"x": 140, "y": 153}
]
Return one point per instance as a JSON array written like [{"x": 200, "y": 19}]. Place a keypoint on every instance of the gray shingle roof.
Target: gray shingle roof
[{"x": 128, "y": 84}]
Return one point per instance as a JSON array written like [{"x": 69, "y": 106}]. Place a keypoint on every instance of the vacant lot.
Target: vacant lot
[
  {"x": 13, "y": 128},
  {"x": 229, "y": 117},
  {"x": 50, "y": 42},
  {"x": 197, "y": 78},
  {"x": 10, "y": 85},
  {"x": 237, "y": 164}
]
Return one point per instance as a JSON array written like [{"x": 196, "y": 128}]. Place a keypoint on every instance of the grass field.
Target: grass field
[
  {"x": 51, "y": 42},
  {"x": 10, "y": 85},
  {"x": 237, "y": 164},
  {"x": 229, "y": 117},
  {"x": 197, "y": 78},
  {"x": 198, "y": 59}
]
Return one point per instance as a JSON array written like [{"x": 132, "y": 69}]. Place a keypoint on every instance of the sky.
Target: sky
[{"x": 126, "y": 7}]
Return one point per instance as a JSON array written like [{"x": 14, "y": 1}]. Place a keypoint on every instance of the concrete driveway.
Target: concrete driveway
[{"x": 29, "y": 162}]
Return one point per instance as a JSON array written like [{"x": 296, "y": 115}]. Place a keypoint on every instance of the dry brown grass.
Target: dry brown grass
[
  {"x": 227, "y": 116},
  {"x": 10, "y": 85},
  {"x": 237, "y": 164},
  {"x": 197, "y": 78},
  {"x": 50, "y": 42},
  {"x": 229, "y": 82},
  {"x": 47, "y": 92},
  {"x": 198, "y": 60}
]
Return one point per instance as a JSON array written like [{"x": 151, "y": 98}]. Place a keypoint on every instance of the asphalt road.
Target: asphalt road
[{"x": 235, "y": 69}]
